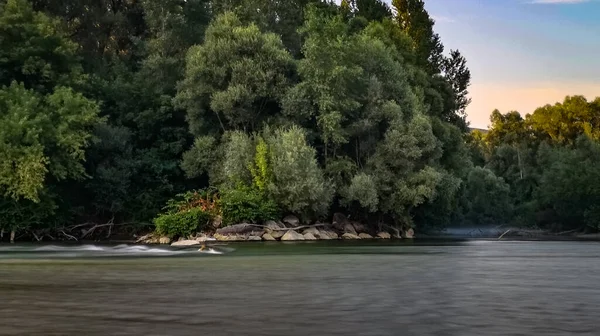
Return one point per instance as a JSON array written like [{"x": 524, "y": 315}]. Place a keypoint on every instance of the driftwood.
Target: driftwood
[{"x": 77, "y": 232}]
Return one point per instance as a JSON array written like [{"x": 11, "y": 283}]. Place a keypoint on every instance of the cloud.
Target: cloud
[
  {"x": 554, "y": 2},
  {"x": 445, "y": 19}
]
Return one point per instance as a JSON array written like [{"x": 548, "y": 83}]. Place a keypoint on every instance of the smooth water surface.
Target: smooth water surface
[{"x": 463, "y": 288}]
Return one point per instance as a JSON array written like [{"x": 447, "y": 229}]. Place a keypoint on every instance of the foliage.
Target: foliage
[
  {"x": 303, "y": 106},
  {"x": 188, "y": 213},
  {"x": 297, "y": 183},
  {"x": 246, "y": 204},
  {"x": 232, "y": 80},
  {"x": 182, "y": 224},
  {"x": 570, "y": 184},
  {"x": 41, "y": 137},
  {"x": 485, "y": 198}
]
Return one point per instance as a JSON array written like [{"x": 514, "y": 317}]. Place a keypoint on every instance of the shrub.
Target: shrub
[
  {"x": 245, "y": 204},
  {"x": 182, "y": 223},
  {"x": 188, "y": 213}
]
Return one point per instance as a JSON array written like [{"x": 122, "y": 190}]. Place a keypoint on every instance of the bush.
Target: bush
[
  {"x": 188, "y": 213},
  {"x": 182, "y": 223},
  {"x": 245, "y": 204}
]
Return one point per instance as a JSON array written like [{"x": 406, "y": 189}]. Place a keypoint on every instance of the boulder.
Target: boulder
[
  {"x": 410, "y": 234},
  {"x": 254, "y": 238},
  {"x": 331, "y": 234},
  {"x": 384, "y": 235},
  {"x": 272, "y": 225},
  {"x": 358, "y": 227},
  {"x": 363, "y": 235},
  {"x": 350, "y": 236},
  {"x": 324, "y": 235},
  {"x": 349, "y": 228},
  {"x": 150, "y": 238},
  {"x": 203, "y": 239},
  {"x": 309, "y": 236},
  {"x": 186, "y": 242},
  {"x": 237, "y": 229},
  {"x": 312, "y": 230},
  {"x": 292, "y": 235},
  {"x": 220, "y": 237},
  {"x": 291, "y": 220},
  {"x": 268, "y": 237},
  {"x": 339, "y": 221},
  {"x": 277, "y": 234},
  {"x": 164, "y": 240}
]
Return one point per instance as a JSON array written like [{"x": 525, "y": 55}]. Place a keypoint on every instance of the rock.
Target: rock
[
  {"x": 236, "y": 229},
  {"x": 272, "y": 225},
  {"x": 254, "y": 238},
  {"x": 292, "y": 235},
  {"x": 409, "y": 234},
  {"x": 309, "y": 236},
  {"x": 349, "y": 228},
  {"x": 312, "y": 230},
  {"x": 363, "y": 235},
  {"x": 384, "y": 235},
  {"x": 186, "y": 242},
  {"x": 324, "y": 235},
  {"x": 273, "y": 229},
  {"x": 349, "y": 236},
  {"x": 339, "y": 221},
  {"x": 277, "y": 234},
  {"x": 220, "y": 237},
  {"x": 164, "y": 240},
  {"x": 358, "y": 227},
  {"x": 150, "y": 238},
  {"x": 291, "y": 220},
  {"x": 268, "y": 237},
  {"x": 203, "y": 239},
  {"x": 331, "y": 234}
]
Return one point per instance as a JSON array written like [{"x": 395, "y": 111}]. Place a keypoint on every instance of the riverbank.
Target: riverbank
[{"x": 288, "y": 229}]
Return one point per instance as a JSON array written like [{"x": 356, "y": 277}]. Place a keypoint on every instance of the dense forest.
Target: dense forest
[{"x": 183, "y": 113}]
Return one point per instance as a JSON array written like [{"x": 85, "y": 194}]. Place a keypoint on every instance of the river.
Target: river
[{"x": 380, "y": 288}]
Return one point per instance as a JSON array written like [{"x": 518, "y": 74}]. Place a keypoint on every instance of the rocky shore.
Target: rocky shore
[{"x": 288, "y": 229}]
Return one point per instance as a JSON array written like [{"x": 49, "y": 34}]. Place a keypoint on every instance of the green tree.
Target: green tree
[
  {"x": 34, "y": 50},
  {"x": 234, "y": 80},
  {"x": 43, "y": 140}
]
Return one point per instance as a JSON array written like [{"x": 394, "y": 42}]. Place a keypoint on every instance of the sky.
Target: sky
[{"x": 522, "y": 54}]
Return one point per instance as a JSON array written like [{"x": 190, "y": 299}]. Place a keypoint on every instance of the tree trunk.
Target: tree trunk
[{"x": 12, "y": 236}]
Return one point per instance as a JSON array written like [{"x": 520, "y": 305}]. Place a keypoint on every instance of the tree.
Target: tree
[
  {"x": 456, "y": 71},
  {"x": 43, "y": 140},
  {"x": 480, "y": 188},
  {"x": 34, "y": 50},
  {"x": 570, "y": 185},
  {"x": 234, "y": 81},
  {"x": 416, "y": 22}
]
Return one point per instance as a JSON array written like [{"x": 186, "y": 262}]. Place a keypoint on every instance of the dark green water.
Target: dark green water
[{"x": 461, "y": 288}]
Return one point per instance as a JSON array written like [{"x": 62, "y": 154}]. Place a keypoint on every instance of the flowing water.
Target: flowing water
[{"x": 380, "y": 288}]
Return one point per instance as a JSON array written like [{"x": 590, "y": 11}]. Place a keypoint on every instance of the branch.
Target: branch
[
  {"x": 507, "y": 231},
  {"x": 68, "y": 235}
]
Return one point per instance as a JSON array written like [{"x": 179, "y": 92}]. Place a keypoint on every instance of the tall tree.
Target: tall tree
[{"x": 414, "y": 19}]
